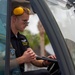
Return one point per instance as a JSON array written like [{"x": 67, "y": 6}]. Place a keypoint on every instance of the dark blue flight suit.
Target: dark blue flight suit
[{"x": 20, "y": 44}]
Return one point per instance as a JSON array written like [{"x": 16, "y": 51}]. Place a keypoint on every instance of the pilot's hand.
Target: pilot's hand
[
  {"x": 28, "y": 55},
  {"x": 52, "y": 56},
  {"x": 46, "y": 63}
]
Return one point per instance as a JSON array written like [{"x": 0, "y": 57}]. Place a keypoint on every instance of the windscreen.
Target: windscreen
[
  {"x": 64, "y": 13},
  {"x": 3, "y": 14}
]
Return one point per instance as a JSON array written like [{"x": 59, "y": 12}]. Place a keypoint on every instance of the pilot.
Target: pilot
[{"x": 23, "y": 52}]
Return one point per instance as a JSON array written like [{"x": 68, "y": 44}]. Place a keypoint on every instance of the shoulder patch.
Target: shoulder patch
[{"x": 24, "y": 42}]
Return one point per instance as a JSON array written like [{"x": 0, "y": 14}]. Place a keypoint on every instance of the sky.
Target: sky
[{"x": 33, "y": 22}]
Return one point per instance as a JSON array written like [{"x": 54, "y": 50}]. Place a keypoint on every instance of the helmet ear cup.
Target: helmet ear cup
[{"x": 18, "y": 11}]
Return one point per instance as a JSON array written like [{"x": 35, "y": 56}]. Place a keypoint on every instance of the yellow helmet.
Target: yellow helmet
[{"x": 18, "y": 11}]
